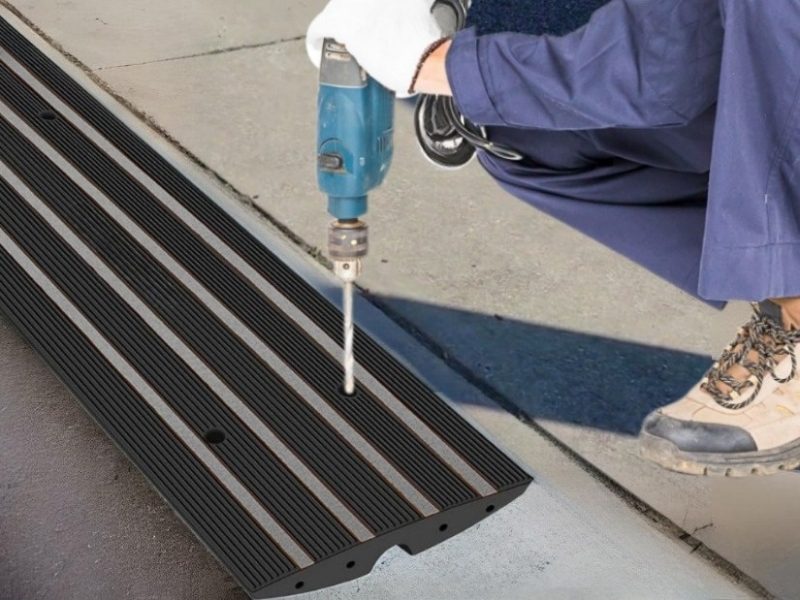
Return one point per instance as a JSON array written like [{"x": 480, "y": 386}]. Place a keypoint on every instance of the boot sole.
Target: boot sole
[{"x": 740, "y": 464}]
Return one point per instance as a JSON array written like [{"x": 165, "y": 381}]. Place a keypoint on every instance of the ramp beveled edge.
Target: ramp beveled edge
[
  {"x": 167, "y": 318},
  {"x": 418, "y": 537}
]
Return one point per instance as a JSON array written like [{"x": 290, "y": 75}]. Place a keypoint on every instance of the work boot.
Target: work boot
[{"x": 743, "y": 417}]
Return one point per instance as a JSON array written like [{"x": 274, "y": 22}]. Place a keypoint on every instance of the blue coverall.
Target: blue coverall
[{"x": 668, "y": 130}]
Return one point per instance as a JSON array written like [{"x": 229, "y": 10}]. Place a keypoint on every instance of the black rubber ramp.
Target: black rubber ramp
[{"x": 210, "y": 363}]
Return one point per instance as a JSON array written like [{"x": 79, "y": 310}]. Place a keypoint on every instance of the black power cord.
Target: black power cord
[
  {"x": 444, "y": 135},
  {"x": 448, "y": 139}
]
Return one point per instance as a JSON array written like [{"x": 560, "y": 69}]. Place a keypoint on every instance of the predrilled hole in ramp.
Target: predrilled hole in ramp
[
  {"x": 215, "y": 436},
  {"x": 351, "y": 564},
  {"x": 299, "y": 585},
  {"x": 47, "y": 115},
  {"x": 490, "y": 508},
  {"x": 443, "y": 527}
]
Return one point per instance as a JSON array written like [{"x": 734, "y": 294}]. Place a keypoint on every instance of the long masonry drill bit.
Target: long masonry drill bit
[
  {"x": 348, "y": 245},
  {"x": 348, "y": 360}
]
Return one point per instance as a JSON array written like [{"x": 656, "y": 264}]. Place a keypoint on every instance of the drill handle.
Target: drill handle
[{"x": 339, "y": 68}]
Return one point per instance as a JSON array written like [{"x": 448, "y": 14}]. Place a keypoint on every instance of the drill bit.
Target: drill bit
[
  {"x": 348, "y": 359},
  {"x": 347, "y": 245}
]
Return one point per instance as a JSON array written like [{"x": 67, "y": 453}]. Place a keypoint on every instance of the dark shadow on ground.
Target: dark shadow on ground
[{"x": 554, "y": 374}]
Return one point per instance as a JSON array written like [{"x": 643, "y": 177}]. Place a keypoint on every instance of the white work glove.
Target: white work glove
[{"x": 388, "y": 38}]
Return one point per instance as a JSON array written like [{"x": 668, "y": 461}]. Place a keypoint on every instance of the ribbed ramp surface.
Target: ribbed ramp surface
[{"x": 210, "y": 363}]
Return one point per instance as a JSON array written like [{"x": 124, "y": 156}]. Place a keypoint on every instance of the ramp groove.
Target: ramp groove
[{"x": 209, "y": 362}]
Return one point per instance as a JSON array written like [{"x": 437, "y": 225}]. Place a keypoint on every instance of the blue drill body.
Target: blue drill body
[{"x": 355, "y": 133}]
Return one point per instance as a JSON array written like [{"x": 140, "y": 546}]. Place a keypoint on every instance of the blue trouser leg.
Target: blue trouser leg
[
  {"x": 752, "y": 240},
  {"x": 630, "y": 95},
  {"x": 653, "y": 213}
]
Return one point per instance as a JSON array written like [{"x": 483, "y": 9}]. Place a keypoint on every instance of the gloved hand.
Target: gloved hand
[{"x": 388, "y": 38}]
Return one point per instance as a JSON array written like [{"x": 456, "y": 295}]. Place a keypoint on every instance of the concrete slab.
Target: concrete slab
[
  {"x": 757, "y": 522},
  {"x": 527, "y": 308},
  {"x": 107, "y": 33}
]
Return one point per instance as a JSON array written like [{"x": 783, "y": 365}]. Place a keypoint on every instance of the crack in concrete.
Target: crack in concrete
[
  {"x": 214, "y": 52},
  {"x": 702, "y": 528}
]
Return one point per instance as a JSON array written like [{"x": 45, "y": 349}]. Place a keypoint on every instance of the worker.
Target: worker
[{"x": 668, "y": 130}]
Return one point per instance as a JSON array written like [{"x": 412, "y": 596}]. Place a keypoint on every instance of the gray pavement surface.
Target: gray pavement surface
[{"x": 544, "y": 319}]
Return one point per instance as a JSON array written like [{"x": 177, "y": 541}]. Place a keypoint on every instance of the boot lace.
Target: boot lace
[{"x": 763, "y": 337}]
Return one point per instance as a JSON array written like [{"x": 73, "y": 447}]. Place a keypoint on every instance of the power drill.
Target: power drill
[
  {"x": 355, "y": 147},
  {"x": 354, "y": 152}
]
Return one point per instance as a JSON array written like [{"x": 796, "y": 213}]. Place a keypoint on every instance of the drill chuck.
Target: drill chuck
[
  {"x": 348, "y": 240},
  {"x": 348, "y": 243}
]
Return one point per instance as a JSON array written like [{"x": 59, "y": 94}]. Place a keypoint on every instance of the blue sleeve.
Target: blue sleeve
[{"x": 637, "y": 63}]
